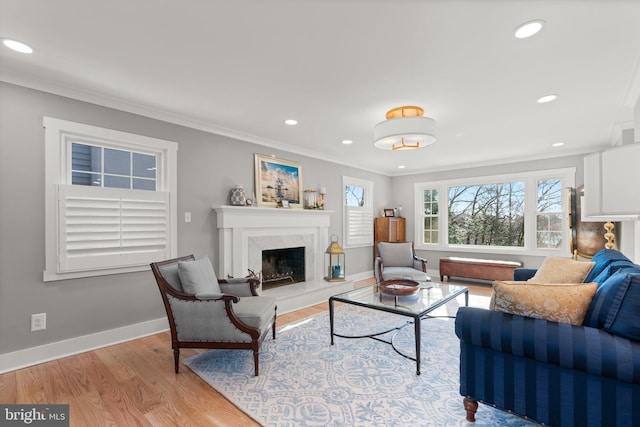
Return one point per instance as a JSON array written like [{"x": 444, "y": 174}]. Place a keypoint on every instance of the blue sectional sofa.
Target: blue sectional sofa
[{"x": 554, "y": 373}]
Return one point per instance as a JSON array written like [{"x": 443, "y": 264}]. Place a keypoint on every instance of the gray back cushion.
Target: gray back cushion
[
  {"x": 170, "y": 274},
  {"x": 396, "y": 254},
  {"x": 198, "y": 277}
]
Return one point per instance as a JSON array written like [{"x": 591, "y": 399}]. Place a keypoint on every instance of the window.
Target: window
[
  {"x": 430, "y": 205},
  {"x": 519, "y": 212},
  {"x": 110, "y": 200},
  {"x": 120, "y": 168},
  {"x": 358, "y": 212}
]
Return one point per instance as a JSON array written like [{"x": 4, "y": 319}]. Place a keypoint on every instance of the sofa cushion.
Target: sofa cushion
[
  {"x": 602, "y": 259},
  {"x": 562, "y": 270},
  {"x": 198, "y": 277},
  {"x": 611, "y": 268},
  {"x": 607, "y": 293},
  {"x": 565, "y": 303},
  {"x": 624, "y": 316}
]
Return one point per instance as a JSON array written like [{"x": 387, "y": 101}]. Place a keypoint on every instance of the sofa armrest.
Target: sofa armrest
[
  {"x": 586, "y": 349},
  {"x": 524, "y": 274}
]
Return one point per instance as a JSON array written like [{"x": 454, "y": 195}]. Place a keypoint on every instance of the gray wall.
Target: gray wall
[
  {"x": 402, "y": 190},
  {"x": 208, "y": 166}
]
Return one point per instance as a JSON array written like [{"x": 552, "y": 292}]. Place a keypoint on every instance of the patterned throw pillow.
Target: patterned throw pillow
[
  {"x": 564, "y": 303},
  {"x": 561, "y": 270}
]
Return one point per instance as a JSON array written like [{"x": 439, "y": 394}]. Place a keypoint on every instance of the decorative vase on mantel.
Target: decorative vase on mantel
[{"x": 238, "y": 198}]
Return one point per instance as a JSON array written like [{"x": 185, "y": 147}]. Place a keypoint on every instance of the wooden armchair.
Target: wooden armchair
[{"x": 205, "y": 312}]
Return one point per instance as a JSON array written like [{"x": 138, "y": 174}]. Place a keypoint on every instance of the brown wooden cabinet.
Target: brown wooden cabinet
[{"x": 388, "y": 229}]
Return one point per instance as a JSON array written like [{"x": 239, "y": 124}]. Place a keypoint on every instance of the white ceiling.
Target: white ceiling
[{"x": 240, "y": 68}]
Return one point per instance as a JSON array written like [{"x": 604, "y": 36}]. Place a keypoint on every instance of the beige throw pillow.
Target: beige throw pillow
[
  {"x": 564, "y": 303},
  {"x": 562, "y": 270}
]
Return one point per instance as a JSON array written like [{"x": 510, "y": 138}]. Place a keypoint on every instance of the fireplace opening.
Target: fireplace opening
[{"x": 282, "y": 266}]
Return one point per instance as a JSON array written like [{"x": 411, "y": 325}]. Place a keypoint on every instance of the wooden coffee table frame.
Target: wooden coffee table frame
[{"x": 415, "y": 316}]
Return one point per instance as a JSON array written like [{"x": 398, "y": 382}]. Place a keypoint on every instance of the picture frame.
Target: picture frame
[
  {"x": 278, "y": 181},
  {"x": 389, "y": 213}
]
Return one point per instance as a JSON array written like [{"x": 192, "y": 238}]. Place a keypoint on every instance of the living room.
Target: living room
[{"x": 217, "y": 147}]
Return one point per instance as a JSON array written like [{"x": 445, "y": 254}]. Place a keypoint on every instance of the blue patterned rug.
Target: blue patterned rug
[{"x": 304, "y": 381}]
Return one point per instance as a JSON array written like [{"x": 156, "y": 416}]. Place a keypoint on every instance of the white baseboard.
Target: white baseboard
[{"x": 56, "y": 350}]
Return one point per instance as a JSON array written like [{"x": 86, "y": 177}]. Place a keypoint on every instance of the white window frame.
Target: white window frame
[
  {"x": 361, "y": 234},
  {"x": 59, "y": 135},
  {"x": 567, "y": 175}
]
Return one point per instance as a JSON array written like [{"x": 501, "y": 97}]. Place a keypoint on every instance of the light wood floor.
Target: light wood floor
[{"x": 133, "y": 383}]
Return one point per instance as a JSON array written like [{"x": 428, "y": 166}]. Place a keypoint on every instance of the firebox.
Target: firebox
[{"x": 282, "y": 266}]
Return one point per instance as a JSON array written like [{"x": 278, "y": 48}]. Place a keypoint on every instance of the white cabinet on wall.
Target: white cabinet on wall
[{"x": 612, "y": 183}]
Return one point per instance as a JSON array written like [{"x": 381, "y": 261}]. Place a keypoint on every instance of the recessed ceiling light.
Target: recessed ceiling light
[
  {"x": 557, "y": 144},
  {"x": 401, "y": 167},
  {"x": 528, "y": 29},
  {"x": 291, "y": 122},
  {"x": 17, "y": 46},
  {"x": 347, "y": 141},
  {"x": 547, "y": 98}
]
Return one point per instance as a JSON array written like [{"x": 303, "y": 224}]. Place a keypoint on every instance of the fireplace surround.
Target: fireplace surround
[{"x": 244, "y": 232}]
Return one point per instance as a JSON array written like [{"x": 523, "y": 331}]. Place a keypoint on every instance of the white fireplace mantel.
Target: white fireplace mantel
[{"x": 246, "y": 231}]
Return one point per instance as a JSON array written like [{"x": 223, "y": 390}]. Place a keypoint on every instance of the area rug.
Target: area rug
[{"x": 305, "y": 381}]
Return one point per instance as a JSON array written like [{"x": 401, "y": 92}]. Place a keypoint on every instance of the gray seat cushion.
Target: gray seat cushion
[
  {"x": 396, "y": 273},
  {"x": 257, "y": 312}
]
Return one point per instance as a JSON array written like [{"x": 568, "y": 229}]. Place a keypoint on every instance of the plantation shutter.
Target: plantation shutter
[
  {"x": 359, "y": 226},
  {"x": 109, "y": 227}
]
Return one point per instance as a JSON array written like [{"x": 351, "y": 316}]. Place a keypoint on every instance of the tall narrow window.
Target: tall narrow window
[
  {"x": 549, "y": 216},
  {"x": 431, "y": 217},
  {"x": 358, "y": 212},
  {"x": 110, "y": 200}
]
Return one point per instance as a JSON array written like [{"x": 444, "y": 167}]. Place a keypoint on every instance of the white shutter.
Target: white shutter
[
  {"x": 359, "y": 226},
  {"x": 107, "y": 227}
]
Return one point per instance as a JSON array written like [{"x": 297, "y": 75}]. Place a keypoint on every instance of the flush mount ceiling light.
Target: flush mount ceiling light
[
  {"x": 291, "y": 122},
  {"x": 547, "y": 98},
  {"x": 347, "y": 141},
  {"x": 405, "y": 128},
  {"x": 529, "y": 29},
  {"x": 17, "y": 46}
]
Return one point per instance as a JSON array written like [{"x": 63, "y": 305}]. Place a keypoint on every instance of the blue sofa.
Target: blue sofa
[{"x": 556, "y": 373}]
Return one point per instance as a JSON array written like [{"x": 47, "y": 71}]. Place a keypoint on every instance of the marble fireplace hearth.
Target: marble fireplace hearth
[{"x": 244, "y": 232}]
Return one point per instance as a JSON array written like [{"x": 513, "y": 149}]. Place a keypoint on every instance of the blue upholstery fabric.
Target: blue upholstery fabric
[
  {"x": 603, "y": 258},
  {"x": 557, "y": 374},
  {"x": 524, "y": 274},
  {"x": 605, "y": 296},
  {"x": 622, "y": 318}
]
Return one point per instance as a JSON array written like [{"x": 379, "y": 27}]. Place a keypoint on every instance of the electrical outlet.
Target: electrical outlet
[
  {"x": 38, "y": 322},
  {"x": 187, "y": 217}
]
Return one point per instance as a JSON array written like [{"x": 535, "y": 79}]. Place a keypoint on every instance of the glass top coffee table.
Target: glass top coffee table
[{"x": 417, "y": 306}]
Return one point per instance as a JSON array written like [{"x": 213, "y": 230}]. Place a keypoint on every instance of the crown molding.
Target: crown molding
[{"x": 101, "y": 99}]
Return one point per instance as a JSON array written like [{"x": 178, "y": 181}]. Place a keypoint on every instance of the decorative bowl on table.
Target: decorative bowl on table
[{"x": 399, "y": 287}]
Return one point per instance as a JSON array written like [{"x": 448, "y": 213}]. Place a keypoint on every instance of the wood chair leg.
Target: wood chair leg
[
  {"x": 176, "y": 358},
  {"x": 471, "y": 406},
  {"x": 255, "y": 360},
  {"x": 273, "y": 328}
]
